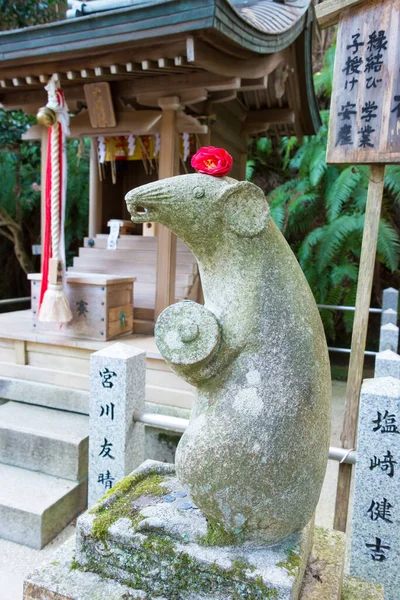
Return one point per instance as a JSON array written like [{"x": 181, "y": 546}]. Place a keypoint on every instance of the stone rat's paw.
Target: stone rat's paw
[{"x": 187, "y": 334}]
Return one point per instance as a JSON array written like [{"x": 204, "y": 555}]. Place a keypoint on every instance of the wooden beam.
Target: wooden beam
[
  {"x": 359, "y": 335},
  {"x": 32, "y": 80},
  {"x": 271, "y": 116},
  {"x": 116, "y": 70},
  {"x": 98, "y": 59},
  {"x": 182, "y": 82},
  {"x": 253, "y": 128},
  {"x": 43, "y": 168},
  {"x": 95, "y": 192},
  {"x": 71, "y": 75},
  {"x": 87, "y": 73},
  {"x": 148, "y": 65},
  {"x": 214, "y": 61},
  {"x": 223, "y": 96},
  {"x": 328, "y": 12},
  {"x": 187, "y": 123},
  {"x": 13, "y": 100},
  {"x": 166, "y": 63},
  {"x": 166, "y": 240},
  {"x": 259, "y": 83}
]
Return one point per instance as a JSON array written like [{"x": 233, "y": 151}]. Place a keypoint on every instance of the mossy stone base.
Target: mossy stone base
[
  {"x": 58, "y": 581},
  {"x": 64, "y": 579},
  {"x": 148, "y": 535},
  {"x": 356, "y": 589},
  {"x": 324, "y": 574}
]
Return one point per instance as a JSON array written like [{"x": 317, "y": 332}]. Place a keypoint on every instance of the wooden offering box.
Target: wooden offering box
[{"x": 102, "y": 306}]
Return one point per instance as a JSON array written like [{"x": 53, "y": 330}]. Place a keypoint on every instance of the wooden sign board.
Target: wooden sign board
[
  {"x": 100, "y": 104},
  {"x": 365, "y": 106}
]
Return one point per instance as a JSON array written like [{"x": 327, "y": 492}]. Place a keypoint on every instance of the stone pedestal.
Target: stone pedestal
[
  {"x": 148, "y": 534},
  {"x": 146, "y": 540}
]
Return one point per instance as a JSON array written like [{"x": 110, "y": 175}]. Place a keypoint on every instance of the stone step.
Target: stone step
[
  {"x": 43, "y": 439},
  {"x": 130, "y": 241},
  {"x": 35, "y": 507}
]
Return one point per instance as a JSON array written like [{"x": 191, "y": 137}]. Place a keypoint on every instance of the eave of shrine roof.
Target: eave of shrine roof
[
  {"x": 121, "y": 27},
  {"x": 268, "y": 16}
]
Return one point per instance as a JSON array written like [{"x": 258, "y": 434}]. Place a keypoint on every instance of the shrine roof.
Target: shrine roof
[
  {"x": 258, "y": 51},
  {"x": 261, "y": 27}
]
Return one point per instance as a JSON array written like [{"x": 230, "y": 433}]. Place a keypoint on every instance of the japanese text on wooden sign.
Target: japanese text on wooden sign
[{"x": 365, "y": 107}]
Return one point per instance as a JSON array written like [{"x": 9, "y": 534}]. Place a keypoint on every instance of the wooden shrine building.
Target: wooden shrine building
[{"x": 148, "y": 83}]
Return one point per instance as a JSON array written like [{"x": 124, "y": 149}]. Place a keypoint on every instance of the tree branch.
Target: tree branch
[{"x": 7, "y": 235}]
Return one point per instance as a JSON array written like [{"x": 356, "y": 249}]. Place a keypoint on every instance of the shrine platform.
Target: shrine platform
[{"x": 52, "y": 370}]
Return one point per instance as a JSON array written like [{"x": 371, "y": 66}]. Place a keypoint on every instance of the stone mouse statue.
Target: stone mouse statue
[{"x": 255, "y": 452}]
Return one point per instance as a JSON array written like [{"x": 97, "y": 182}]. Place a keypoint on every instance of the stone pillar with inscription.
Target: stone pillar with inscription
[
  {"x": 375, "y": 548},
  {"x": 117, "y": 390}
]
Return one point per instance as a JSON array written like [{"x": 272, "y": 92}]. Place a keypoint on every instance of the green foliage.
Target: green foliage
[
  {"x": 77, "y": 208},
  {"x": 260, "y": 151},
  {"x": 321, "y": 212},
  {"x": 320, "y": 209},
  {"x": 323, "y": 79},
  {"x": 22, "y": 13}
]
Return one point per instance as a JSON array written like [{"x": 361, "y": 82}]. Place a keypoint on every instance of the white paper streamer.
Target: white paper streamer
[
  {"x": 101, "y": 148},
  {"x": 186, "y": 146},
  {"x": 157, "y": 147},
  {"x": 131, "y": 144}
]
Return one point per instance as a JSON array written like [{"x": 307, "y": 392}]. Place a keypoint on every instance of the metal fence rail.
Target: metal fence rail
[
  {"x": 343, "y": 308},
  {"x": 11, "y": 304},
  {"x": 179, "y": 425}
]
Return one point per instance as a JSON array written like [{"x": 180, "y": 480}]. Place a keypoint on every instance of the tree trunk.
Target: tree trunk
[{"x": 22, "y": 256}]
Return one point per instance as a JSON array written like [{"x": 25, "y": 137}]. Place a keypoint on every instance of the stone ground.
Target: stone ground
[{"x": 17, "y": 561}]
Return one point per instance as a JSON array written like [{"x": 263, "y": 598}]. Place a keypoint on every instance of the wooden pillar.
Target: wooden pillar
[
  {"x": 43, "y": 160},
  {"x": 166, "y": 240},
  {"x": 359, "y": 337},
  {"x": 95, "y": 192}
]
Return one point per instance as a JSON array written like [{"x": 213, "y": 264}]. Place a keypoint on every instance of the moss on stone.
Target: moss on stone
[
  {"x": 217, "y": 536},
  {"x": 240, "y": 566},
  {"x": 123, "y": 494},
  {"x": 159, "y": 569},
  {"x": 356, "y": 589},
  {"x": 292, "y": 564},
  {"x": 158, "y": 566},
  {"x": 75, "y": 566}
]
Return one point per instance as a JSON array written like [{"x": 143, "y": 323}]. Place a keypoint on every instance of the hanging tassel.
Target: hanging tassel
[{"x": 54, "y": 305}]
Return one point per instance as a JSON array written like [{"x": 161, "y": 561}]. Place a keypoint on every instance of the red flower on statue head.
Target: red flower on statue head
[{"x": 212, "y": 161}]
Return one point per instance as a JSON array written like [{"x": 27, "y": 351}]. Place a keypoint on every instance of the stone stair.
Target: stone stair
[
  {"x": 136, "y": 256},
  {"x": 43, "y": 471}
]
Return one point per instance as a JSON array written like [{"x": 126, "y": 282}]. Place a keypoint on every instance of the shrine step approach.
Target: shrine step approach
[{"x": 43, "y": 467}]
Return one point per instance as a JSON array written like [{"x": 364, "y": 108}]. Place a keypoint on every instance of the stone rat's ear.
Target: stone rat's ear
[{"x": 245, "y": 209}]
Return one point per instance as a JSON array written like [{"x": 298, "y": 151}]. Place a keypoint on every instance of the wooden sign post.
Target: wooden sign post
[{"x": 364, "y": 128}]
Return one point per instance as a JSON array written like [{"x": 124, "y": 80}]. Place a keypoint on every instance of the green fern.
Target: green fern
[
  {"x": 340, "y": 191},
  {"x": 388, "y": 245},
  {"x": 323, "y": 79},
  {"x": 392, "y": 181}
]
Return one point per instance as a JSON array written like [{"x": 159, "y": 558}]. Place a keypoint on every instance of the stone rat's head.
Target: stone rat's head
[{"x": 198, "y": 208}]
